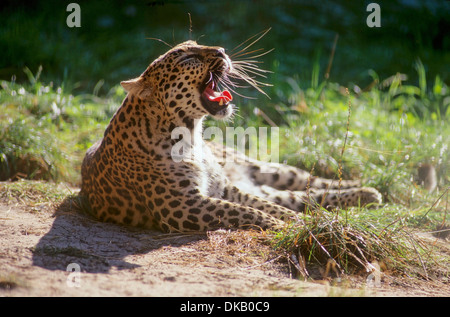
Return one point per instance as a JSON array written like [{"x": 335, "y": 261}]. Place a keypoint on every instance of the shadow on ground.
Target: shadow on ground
[{"x": 95, "y": 246}]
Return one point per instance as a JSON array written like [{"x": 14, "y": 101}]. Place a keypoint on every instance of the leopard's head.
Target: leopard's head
[{"x": 190, "y": 80}]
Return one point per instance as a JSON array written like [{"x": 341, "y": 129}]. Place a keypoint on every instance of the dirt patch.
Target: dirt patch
[{"x": 48, "y": 250}]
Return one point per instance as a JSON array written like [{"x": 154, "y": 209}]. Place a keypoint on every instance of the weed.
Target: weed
[{"x": 351, "y": 241}]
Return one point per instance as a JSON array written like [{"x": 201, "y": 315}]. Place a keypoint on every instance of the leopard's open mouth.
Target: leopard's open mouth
[{"x": 214, "y": 100}]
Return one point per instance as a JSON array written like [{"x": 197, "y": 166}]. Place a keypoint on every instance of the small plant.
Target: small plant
[{"x": 351, "y": 240}]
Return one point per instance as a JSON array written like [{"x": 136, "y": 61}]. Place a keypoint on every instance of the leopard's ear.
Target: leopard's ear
[{"x": 138, "y": 87}]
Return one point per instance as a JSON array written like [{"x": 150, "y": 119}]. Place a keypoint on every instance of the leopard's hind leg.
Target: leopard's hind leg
[
  {"x": 286, "y": 177},
  {"x": 328, "y": 198}
]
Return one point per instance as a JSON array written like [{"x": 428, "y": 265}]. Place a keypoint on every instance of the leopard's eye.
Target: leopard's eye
[{"x": 191, "y": 57}]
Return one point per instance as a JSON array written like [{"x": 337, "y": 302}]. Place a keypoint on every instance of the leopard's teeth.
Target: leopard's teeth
[
  {"x": 211, "y": 80},
  {"x": 221, "y": 102}
]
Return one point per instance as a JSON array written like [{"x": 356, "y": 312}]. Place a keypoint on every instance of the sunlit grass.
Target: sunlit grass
[
  {"x": 35, "y": 195},
  {"x": 386, "y": 139},
  {"x": 388, "y": 132},
  {"x": 45, "y": 131},
  {"x": 351, "y": 240}
]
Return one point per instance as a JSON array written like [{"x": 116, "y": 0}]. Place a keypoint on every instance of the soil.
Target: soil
[{"x": 52, "y": 250}]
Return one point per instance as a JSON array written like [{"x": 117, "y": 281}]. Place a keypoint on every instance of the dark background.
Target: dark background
[{"x": 111, "y": 43}]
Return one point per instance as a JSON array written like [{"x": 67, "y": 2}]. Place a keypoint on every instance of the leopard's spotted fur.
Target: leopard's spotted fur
[{"x": 130, "y": 176}]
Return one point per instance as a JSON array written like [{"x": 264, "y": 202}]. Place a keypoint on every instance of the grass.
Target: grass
[
  {"x": 385, "y": 159},
  {"x": 45, "y": 131},
  {"x": 352, "y": 240},
  {"x": 34, "y": 194},
  {"x": 391, "y": 129},
  {"x": 387, "y": 134}
]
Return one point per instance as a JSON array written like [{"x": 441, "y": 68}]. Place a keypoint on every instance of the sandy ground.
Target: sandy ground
[{"x": 50, "y": 250}]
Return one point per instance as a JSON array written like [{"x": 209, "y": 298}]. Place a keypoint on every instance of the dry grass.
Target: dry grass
[
  {"x": 355, "y": 242},
  {"x": 247, "y": 248},
  {"x": 34, "y": 194}
]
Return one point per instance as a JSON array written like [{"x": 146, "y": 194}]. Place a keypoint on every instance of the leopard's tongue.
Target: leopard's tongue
[{"x": 217, "y": 96}]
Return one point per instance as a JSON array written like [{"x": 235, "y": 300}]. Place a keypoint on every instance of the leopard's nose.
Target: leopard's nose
[{"x": 219, "y": 52}]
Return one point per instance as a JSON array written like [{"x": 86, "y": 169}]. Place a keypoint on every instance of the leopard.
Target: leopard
[{"x": 136, "y": 176}]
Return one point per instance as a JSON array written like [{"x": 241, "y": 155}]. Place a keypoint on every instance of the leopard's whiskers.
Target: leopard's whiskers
[
  {"x": 260, "y": 34},
  {"x": 245, "y": 66}
]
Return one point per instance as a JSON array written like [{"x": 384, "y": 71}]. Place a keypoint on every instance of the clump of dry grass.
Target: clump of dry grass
[
  {"x": 244, "y": 248},
  {"x": 33, "y": 194},
  {"x": 350, "y": 243}
]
